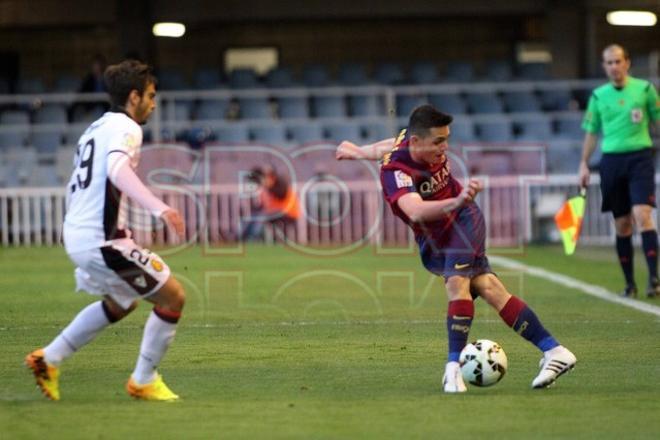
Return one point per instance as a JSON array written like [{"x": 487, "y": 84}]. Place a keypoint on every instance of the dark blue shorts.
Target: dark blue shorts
[
  {"x": 464, "y": 247},
  {"x": 627, "y": 179}
]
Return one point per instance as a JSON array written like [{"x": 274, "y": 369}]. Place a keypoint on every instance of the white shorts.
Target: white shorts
[{"x": 122, "y": 270}]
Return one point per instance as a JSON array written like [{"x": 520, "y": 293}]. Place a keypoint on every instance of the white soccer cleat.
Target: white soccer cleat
[
  {"x": 553, "y": 364},
  {"x": 452, "y": 381}
]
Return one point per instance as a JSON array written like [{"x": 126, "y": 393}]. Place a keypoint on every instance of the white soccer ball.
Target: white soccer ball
[{"x": 483, "y": 363}]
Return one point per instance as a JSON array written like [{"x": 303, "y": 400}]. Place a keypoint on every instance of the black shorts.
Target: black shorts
[{"x": 627, "y": 179}]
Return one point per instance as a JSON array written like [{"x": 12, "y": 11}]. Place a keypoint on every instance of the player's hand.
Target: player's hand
[
  {"x": 470, "y": 191},
  {"x": 346, "y": 150},
  {"x": 584, "y": 174},
  {"x": 174, "y": 221}
]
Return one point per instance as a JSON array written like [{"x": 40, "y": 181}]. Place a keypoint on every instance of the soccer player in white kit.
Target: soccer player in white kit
[{"x": 109, "y": 262}]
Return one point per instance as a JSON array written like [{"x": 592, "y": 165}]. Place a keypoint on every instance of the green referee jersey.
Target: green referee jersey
[{"x": 623, "y": 115}]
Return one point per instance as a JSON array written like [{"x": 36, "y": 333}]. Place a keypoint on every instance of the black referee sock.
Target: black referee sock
[
  {"x": 650, "y": 247},
  {"x": 624, "y": 250}
]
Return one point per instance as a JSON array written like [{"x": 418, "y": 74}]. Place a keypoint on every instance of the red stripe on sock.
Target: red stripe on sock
[
  {"x": 167, "y": 315},
  {"x": 461, "y": 307},
  {"x": 512, "y": 309}
]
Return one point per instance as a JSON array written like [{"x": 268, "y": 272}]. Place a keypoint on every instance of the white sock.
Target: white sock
[
  {"x": 158, "y": 334},
  {"x": 83, "y": 329}
]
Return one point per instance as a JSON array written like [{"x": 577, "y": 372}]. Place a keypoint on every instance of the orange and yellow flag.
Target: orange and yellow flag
[{"x": 569, "y": 220}]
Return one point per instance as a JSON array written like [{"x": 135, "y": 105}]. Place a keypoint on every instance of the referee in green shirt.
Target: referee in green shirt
[{"x": 621, "y": 111}]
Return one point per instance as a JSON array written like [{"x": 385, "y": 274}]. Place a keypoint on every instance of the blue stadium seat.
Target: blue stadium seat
[
  {"x": 563, "y": 157},
  {"x": 556, "y": 99},
  {"x": 352, "y": 74},
  {"x": 462, "y": 130},
  {"x": 498, "y": 70},
  {"x": 11, "y": 138},
  {"x": 212, "y": 109},
  {"x": 67, "y": 83},
  {"x": 280, "y": 77},
  {"x": 406, "y": 103},
  {"x": 328, "y": 106},
  {"x": 307, "y": 132},
  {"x": 236, "y": 132},
  {"x": 47, "y": 141},
  {"x": 424, "y": 72},
  {"x": 243, "y": 79},
  {"x": 207, "y": 78},
  {"x": 366, "y": 105},
  {"x": 292, "y": 107},
  {"x": 15, "y": 117},
  {"x": 389, "y": 73},
  {"x": 255, "y": 108},
  {"x": 459, "y": 71},
  {"x": 340, "y": 131},
  {"x": 569, "y": 127},
  {"x": 451, "y": 103},
  {"x": 316, "y": 75},
  {"x": 521, "y": 101},
  {"x": 376, "y": 131},
  {"x": 534, "y": 71},
  {"x": 272, "y": 134},
  {"x": 30, "y": 85},
  {"x": 499, "y": 130},
  {"x": 537, "y": 129},
  {"x": 170, "y": 79},
  {"x": 51, "y": 114},
  {"x": 44, "y": 176},
  {"x": 484, "y": 102},
  {"x": 82, "y": 114}
]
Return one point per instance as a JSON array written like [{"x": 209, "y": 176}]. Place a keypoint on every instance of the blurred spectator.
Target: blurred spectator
[
  {"x": 93, "y": 82},
  {"x": 277, "y": 203}
]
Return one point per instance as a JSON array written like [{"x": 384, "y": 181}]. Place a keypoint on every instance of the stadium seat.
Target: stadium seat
[
  {"x": 292, "y": 107},
  {"x": 534, "y": 71},
  {"x": 459, "y": 71},
  {"x": 484, "y": 102},
  {"x": 499, "y": 130},
  {"x": 340, "y": 131},
  {"x": 352, "y": 74},
  {"x": 255, "y": 108},
  {"x": 328, "y": 106},
  {"x": 235, "y": 132},
  {"x": 389, "y": 73},
  {"x": 462, "y": 130},
  {"x": 366, "y": 105},
  {"x": 406, "y": 103},
  {"x": 83, "y": 114},
  {"x": 280, "y": 77},
  {"x": 569, "y": 127},
  {"x": 307, "y": 132},
  {"x": 212, "y": 109},
  {"x": 44, "y": 176},
  {"x": 30, "y": 85},
  {"x": 316, "y": 75},
  {"x": 521, "y": 101},
  {"x": 15, "y": 117},
  {"x": 67, "y": 83},
  {"x": 271, "y": 133},
  {"x": 557, "y": 99},
  {"x": 10, "y": 138},
  {"x": 207, "y": 78},
  {"x": 376, "y": 131},
  {"x": 47, "y": 141},
  {"x": 170, "y": 79},
  {"x": 498, "y": 70},
  {"x": 243, "y": 79},
  {"x": 537, "y": 129},
  {"x": 51, "y": 114},
  {"x": 451, "y": 103},
  {"x": 563, "y": 157},
  {"x": 424, "y": 72}
]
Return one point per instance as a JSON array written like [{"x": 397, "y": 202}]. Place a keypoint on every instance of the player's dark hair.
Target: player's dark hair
[
  {"x": 424, "y": 118},
  {"x": 120, "y": 79}
]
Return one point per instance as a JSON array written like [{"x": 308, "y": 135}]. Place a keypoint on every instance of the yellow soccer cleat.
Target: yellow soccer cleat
[
  {"x": 156, "y": 390},
  {"x": 47, "y": 375}
]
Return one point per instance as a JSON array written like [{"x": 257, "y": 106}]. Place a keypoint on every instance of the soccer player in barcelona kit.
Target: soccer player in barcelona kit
[
  {"x": 450, "y": 232},
  {"x": 622, "y": 110},
  {"x": 109, "y": 262}
]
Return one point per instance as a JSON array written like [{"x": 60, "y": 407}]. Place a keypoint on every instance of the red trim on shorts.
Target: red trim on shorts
[
  {"x": 167, "y": 315},
  {"x": 512, "y": 309},
  {"x": 461, "y": 307}
]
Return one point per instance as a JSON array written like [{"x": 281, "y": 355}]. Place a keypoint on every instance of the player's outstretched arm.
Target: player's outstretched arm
[
  {"x": 420, "y": 211},
  {"x": 124, "y": 178},
  {"x": 347, "y": 150}
]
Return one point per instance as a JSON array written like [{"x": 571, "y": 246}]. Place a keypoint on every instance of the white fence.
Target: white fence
[{"x": 343, "y": 216}]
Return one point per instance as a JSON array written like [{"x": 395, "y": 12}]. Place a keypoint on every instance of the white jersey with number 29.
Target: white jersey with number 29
[{"x": 93, "y": 201}]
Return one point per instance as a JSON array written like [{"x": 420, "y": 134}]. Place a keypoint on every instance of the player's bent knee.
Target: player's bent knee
[
  {"x": 171, "y": 296},
  {"x": 114, "y": 312}
]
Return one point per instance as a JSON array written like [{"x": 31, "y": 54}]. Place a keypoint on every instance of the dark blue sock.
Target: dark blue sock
[
  {"x": 517, "y": 314},
  {"x": 650, "y": 247},
  {"x": 624, "y": 250},
  {"x": 459, "y": 320}
]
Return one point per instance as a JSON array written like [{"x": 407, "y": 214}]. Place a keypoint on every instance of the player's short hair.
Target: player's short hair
[
  {"x": 425, "y": 117},
  {"x": 626, "y": 55},
  {"x": 120, "y": 79}
]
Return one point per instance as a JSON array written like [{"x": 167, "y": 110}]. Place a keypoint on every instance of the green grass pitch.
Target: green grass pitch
[{"x": 279, "y": 344}]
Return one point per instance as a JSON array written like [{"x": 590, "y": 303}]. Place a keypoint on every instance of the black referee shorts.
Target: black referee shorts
[{"x": 627, "y": 179}]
